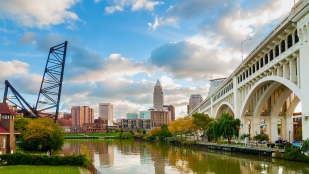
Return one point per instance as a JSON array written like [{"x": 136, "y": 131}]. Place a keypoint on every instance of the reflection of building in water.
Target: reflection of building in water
[
  {"x": 145, "y": 155},
  {"x": 106, "y": 154}
]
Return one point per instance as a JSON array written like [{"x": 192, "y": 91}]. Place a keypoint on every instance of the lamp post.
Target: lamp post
[
  {"x": 289, "y": 136},
  {"x": 242, "y": 56},
  {"x": 256, "y": 138}
]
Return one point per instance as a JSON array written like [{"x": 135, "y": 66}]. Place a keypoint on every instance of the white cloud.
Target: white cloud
[
  {"x": 38, "y": 13},
  {"x": 12, "y": 68},
  {"x": 162, "y": 22},
  {"x": 134, "y": 4},
  {"x": 97, "y": 1}
]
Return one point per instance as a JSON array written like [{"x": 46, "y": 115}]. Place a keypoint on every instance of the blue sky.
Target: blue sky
[{"x": 119, "y": 48}]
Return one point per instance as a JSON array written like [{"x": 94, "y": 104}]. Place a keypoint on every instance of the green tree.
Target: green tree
[
  {"x": 201, "y": 121},
  {"x": 226, "y": 126},
  {"x": 42, "y": 134},
  {"x": 299, "y": 133},
  {"x": 165, "y": 132},
  {"x": 21, "y": 122}
]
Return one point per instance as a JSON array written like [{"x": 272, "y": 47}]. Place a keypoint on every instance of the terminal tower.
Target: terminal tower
[{"x": 158, "y": 97}]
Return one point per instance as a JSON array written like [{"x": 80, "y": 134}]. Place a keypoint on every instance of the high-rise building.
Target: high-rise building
[
  {"x": 170, "y": 108},
  {"x": 158, "y": 97},
  {"x": 81, "y": 115},
  {"x": 132, "y": 115},
  {"x": 144, "y": 114},
  {"x": 106, "y": 110},
  {"x": 195, "y": 99},
  {"x": 214, "y": 83}
]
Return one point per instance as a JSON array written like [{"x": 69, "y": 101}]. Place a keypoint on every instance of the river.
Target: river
[{"x": 128, "y": 156}]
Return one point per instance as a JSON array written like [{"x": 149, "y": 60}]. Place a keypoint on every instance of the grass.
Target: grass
[{"x": 29, "y": 169}]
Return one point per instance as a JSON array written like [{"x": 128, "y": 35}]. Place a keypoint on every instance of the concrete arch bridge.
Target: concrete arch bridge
[{"x": 265, "y": 89}]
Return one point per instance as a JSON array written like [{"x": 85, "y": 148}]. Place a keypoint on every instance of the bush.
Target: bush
[
  {"x": 126, "y": 135},
  {"x": 305, "y": 145},
  {"x": 27, "y": 159},
  {"x": 295, "y": 154},
  {"x": 245, "y": 135},
  {"x": 261, "y": 137}
]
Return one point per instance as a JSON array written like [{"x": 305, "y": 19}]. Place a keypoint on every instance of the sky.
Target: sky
[{"x": 118, "y": 49}]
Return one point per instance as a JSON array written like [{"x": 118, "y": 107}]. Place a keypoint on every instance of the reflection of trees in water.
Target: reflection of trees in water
[{"x": 185, "y": 160}]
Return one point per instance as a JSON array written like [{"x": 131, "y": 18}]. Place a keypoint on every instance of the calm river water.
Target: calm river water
[{"x": 128, "y": 156}]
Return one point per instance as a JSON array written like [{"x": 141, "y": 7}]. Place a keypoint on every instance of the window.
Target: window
[
  {"x": 290, "y": 41},
  {"x": 282, "y": 46},
  {"x": 296, "y": 36},
  {"x": 277, "y": 50},
  {"x": 271, "y": 55},
  {"x": 266, "y": 59}
]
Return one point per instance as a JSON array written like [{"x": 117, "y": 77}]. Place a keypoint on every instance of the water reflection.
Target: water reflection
[{"x": 116, "y": 156}]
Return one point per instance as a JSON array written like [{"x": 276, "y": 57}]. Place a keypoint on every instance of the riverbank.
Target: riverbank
[{"x": 34, "y": 169}]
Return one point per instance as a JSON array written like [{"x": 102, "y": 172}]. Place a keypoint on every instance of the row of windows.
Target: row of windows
[
  {"x": 284, "y": 44},
  {"x": 223, "y": 91}
]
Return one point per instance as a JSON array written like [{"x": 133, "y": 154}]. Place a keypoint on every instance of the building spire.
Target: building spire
[{"x": 158, "y": 83}]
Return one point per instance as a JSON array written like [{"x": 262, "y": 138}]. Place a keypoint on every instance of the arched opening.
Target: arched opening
[
  {"x": 277, "y": 51},
  {"x": 257, "y": 65},
  {"x": 271, "y": 55},
  {"x": 262, "y": 62},
  {"x": 266, "y": 59},
  {"x": 290, "y": 41},
  {"x": 296, "y": 36},
  {"x": 224, "y": 107},
  {"x": 282, "y": 46},
  {"x": 271, "y": 106}
]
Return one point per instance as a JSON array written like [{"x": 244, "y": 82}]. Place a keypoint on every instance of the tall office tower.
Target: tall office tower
[
  {"x": 195, "y": 99},
  {"x": 214, "y": 83},
  {"x": 81, "y": 115},
  {"x": 158, "y": 97},
  {"x": 106, "y": 110}
]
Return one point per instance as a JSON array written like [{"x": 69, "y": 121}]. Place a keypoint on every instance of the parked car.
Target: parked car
[
  {"x": 262, "y": 142},
  {"x": 283, "y": 142},
  {"x": 296, "y": 144}
]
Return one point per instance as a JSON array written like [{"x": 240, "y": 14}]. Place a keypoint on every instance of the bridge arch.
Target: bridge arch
[
  {"x": 257, "y": 85},
  {"x": 230, "y": 109},
  {"x": 206, "y": 113}
]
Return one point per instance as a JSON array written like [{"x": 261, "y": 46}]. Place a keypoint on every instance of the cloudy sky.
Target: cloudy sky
[{"x": 117, "y": 49}]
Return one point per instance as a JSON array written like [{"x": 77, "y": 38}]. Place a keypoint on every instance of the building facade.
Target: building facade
[
  {"x": 144, "y": 114},
  {"x": 134, "y": 124},
  {"x": 7, "y": 132},
  {"x": 158, "y": 118},
  {"x": 106, "y": 110},
  {"x": 195, "y": 100},
  {"x": 214, "y": 83},
  {"x": 170, "y": 108},
  {"x": 81, "y": 115},
  {"x": 158, "y": 96},
  {"x": 132, "y": 115}
]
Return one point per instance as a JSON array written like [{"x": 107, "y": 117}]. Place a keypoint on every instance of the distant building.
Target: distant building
[
  {"x": 106, "y": 110},
  {"x": 195, "y": 99},
  {"x": 214, "y": 83},
  {"x": 132, "y": 115},
  {"x": 144, "y": 114},
  {"x": 134, "y": 124},
  {"x": 158, "y": 118},
  {"x": 158, "y": 97},
  {"x": 170, "y": 108},
  {"x": 81, "y": 115},
  {"x": 67, "y": 115},
  {"x": 7, "y": 132}
]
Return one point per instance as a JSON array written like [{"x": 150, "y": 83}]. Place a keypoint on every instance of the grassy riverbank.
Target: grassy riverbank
[
  {"x": 33, "y": 169},
  {"x": 93, "y": 135}
]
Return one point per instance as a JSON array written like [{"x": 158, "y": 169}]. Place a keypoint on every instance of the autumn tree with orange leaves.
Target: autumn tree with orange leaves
[{"x": 182, "y": 125}]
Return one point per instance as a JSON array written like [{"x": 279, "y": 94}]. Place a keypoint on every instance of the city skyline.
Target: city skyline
[{"x": 117, "y": 51}]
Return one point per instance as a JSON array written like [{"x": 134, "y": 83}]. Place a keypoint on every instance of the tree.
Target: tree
[
  {"x": 201, "y": 121},
  {"x": 225, "y": 126},
  {"x": 182, "y": 125},
  {"x": 42, "y": 134},
  {"x": 299, "y": 133},
  {"x": 21, "y": 122},
  {"x": 164, "y": 131}
]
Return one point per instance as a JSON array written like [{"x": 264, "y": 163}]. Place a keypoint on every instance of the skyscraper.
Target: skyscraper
[
  {"x": 106, "y": 110},
  {"x": 81, "y": 115},
  {"x": 158, "y": 97},
  {"x": 195, "y": 99}
]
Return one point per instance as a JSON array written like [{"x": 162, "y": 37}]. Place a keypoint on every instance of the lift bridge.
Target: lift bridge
[{"x": 50, "y": 89}]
